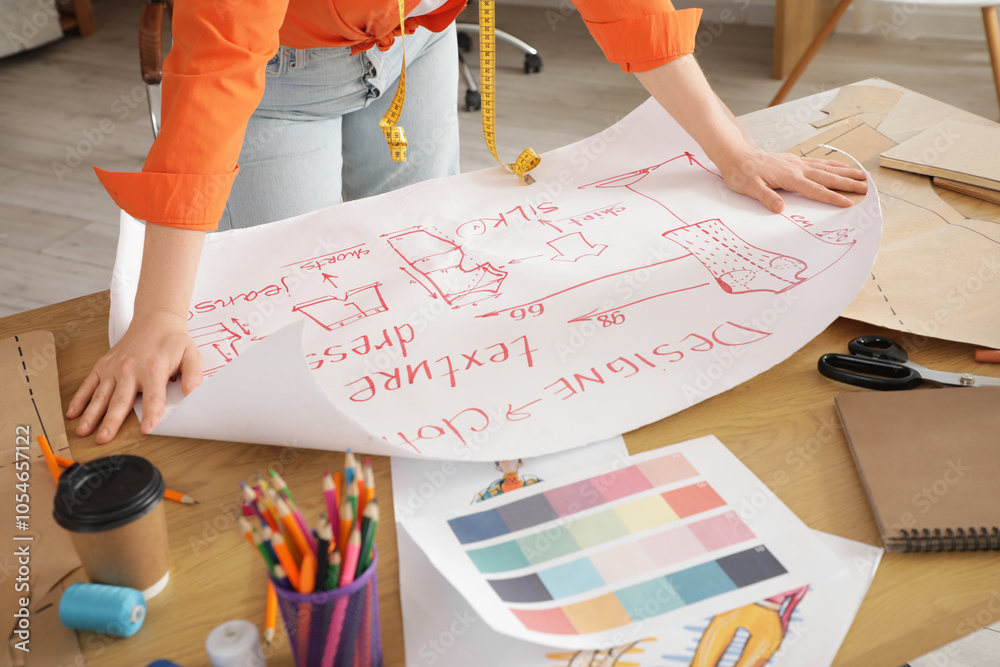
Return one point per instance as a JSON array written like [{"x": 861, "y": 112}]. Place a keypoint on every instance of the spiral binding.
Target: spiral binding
[{"x": 925, "y": 540}]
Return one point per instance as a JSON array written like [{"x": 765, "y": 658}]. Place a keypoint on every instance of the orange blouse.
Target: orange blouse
[{"x": 213, "y": 79}]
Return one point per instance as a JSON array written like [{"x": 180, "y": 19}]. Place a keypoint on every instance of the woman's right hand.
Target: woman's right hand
[{"x": 154, "y": 348}]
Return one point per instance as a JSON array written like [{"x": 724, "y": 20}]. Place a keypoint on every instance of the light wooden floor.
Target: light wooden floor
[{"x": 80, "y": 102}]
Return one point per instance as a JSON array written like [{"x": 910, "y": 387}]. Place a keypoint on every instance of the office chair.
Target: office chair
[{"x": 473, "y": 97}]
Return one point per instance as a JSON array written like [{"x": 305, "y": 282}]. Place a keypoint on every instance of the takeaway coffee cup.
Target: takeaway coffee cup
[{"x": 114, "y": 511}]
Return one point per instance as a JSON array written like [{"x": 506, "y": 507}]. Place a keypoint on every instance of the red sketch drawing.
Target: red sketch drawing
[
  {"x": 629, "y": 180},
  {"x": 597, "y": 313},
  {"x": 333, "y": 312},
  {"x": 580, "y": 219},
  {"x": 841, "y": 237},
  {"x": 573, "y": 247},
  {"x": 318, "y": 263},
  {"x": 443, "y": 269},
  {"x": 217, "y": 343},
  {"x": 587, "y": 282},
  {"x": 737, "y": 266}
]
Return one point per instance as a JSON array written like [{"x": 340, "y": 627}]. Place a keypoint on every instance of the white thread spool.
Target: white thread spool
[{"x": 234, "y": 644}]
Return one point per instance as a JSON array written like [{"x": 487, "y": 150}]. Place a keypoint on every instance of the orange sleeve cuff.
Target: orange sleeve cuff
[
  {"x": 191, "y": 201},
  {"x": 642, "y": 43}
]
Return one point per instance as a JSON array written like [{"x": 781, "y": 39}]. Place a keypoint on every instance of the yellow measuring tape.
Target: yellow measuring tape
[
  {"x": 528, "y": 159},
  {"x": 395, "y": 137},
  {"x": 394, "y": 134}
]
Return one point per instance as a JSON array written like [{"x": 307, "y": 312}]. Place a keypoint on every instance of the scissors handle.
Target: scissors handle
[
  {"x": 878, "y": 347},
  {"x": 868, "y": 372}
]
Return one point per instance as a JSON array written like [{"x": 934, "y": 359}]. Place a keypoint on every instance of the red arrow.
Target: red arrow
[{"x": 328, "y": 278}]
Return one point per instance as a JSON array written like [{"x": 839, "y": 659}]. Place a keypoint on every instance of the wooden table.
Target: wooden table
[{"x": 781, "y": 424}]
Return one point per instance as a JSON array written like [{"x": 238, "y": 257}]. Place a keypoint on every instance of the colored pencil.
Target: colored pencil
[
  {"x": 266, "y": 535},
  {"x": 307, "y": 574},
  {"x": 285, "y": 558},
  {"x": 352, "y": 498},
  {"x": 265, "y": 551},
  {"x": 330, "y": 496},
  {"x": 281, "y": 577},
  {"x": 350, "y": 463},
  {"x": 346, "y": 522},
  {"x": 333, "y": 571},
  {"x": 270, "y": 613},
  {"x": 169, "y": 494},
  {"x": 282, "y": 488},
  {"x": 324, "y": 534},
  {"x": 179, "y": 497},
  {"x": 294, "y": 530},
  {"x": 50, "y": 458},
  {"x": 250, "y": 498},
  {"x": 246, "y": 529},
  {"x": 350, "y": 564},
  {"x": 368, "y": 525}
]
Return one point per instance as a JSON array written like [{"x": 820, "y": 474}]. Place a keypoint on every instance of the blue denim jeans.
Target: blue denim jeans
[{"x": 315, "y": 141}]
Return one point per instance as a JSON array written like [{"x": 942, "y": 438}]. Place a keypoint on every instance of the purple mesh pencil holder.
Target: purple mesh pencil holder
[{"x": 337, "y": 628}]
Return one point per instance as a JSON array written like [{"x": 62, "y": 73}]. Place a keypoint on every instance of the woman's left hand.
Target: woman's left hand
[{"x": 757, "y": 173}]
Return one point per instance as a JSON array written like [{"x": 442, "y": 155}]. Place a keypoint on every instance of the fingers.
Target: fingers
[
  {"x": 765, "y": 195},
  {"x": 82, "y": 396},
  {"x": 99, "y": 398},
  {"x": 835, "y": 181},
  {"x": 191, "y": 370},
  {"x": 119, "y": 408}
]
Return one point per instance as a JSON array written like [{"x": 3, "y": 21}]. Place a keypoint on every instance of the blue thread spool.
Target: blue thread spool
[
  {"x": 112, "y": 610},
  {"x": 163, "y": 663}
]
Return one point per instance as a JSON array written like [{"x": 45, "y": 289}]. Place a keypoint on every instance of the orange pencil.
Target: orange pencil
[
  {"x": 246, "y": 529},
  {"x": 179, "y": 497},
  {"x": 285, "y": 558},
  {"x": 63, "y": 461},
  {"x": 346, "y": 522},
  {"x": 292, "y": 528},
  {"x": 270, "y": 613},
  {"x": 330, "y": 496},
  {"x": 169, "y": 494},
  {"x": 988, "y": 356},
  {"x": 50, "y": 458},
  {"x": 307, "y": 575},
  {"x": 369, "y": 481}
]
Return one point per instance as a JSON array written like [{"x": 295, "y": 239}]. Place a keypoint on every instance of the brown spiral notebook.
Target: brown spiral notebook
[{"x": 929, "y": 460}]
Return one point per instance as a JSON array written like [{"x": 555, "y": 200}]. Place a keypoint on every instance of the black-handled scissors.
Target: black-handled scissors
[{"x": 876, "y": 362}]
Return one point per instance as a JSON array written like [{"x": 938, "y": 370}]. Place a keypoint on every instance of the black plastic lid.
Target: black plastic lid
[{"x": 107, "y": 493}]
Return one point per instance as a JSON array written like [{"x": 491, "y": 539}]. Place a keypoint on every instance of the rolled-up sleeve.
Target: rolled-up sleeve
[
  {"x": 639, "y": 35},
  {"x": 213, "y": 79}
]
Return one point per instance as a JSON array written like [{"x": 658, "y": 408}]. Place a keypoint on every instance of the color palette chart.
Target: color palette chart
[{"x": 681, "y": 532}]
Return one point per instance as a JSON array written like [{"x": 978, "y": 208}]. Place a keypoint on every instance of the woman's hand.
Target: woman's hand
[
  {"x": 155, "y": 346},
  {"x": 756, "y": 173},
  {"x": 151, "y": 351},
  {"x": 681, "y": 89}
]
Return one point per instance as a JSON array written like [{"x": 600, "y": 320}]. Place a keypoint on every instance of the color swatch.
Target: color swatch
[
  {"x": 585, "y": 494},
  {"x": 577, "y": 534},
  {"x": 655, "y": 596},
  {"x": 622, "y": 561}
]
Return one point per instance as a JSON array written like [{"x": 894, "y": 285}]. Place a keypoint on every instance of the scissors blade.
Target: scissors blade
[{"x": 954, "y": 379}]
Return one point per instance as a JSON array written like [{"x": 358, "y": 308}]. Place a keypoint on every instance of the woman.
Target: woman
[{"x": 292, "y": 91}]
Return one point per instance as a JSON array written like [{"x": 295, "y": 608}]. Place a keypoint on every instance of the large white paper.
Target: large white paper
[
  {"x": 474, "y": 318},
  {"x": 597, "y": 557}
]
